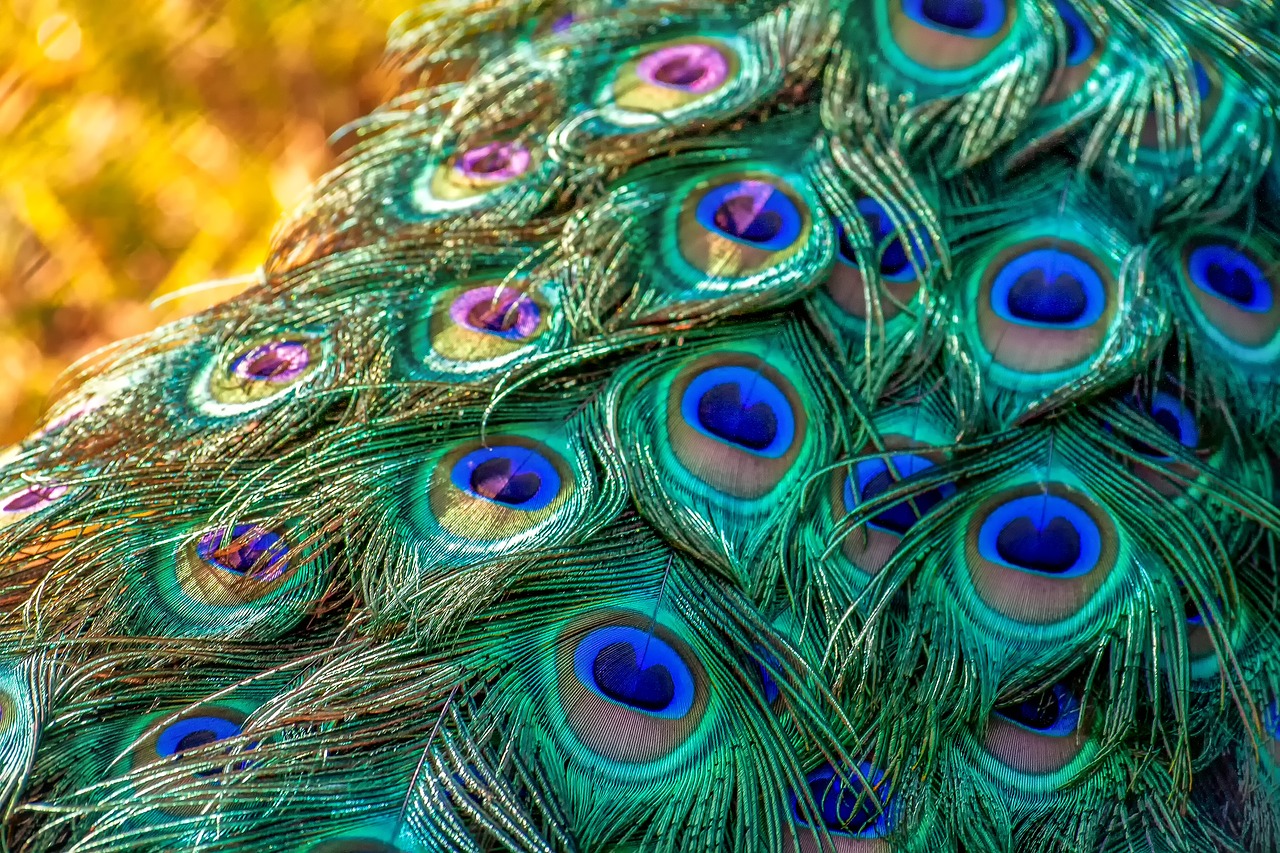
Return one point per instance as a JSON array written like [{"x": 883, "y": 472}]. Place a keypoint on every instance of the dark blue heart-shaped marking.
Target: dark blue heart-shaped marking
[
  {"x": 1052, "y": 549},
  {"x": 900, "y": 517},
  {"x": 893, "y": 261},
  {"x": 618, "y": 675},
  {"x": 1234, "y": 283},
  {"x": 955, "y": 14},
  {"x": 843, "y": 810},
  {"x": 741, "y": 217},
  {"x": 497, "y": 480},
  {"x": 495, "y": 317},
  {"x": 1035, "y": 298},
  {"x": 721, "y": 412},
  {"x": 1040, "y": 713}
]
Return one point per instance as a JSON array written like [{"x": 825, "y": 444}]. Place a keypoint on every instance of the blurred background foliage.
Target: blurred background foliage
[{"x": 149, "y": 145}]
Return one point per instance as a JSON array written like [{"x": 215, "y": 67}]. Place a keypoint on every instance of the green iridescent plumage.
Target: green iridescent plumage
[{"x": 677, "y": 426}]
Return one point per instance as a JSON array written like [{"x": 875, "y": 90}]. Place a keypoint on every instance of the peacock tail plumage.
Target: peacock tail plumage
[{"x": 684, "y": 426}]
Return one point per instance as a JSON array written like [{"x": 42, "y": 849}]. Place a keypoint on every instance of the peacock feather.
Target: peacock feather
[{"x": 679, "y": 426}]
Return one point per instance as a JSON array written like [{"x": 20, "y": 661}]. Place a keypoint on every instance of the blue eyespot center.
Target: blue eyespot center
[
  {"x": 1034, "y": 297},
  {"x": 501, "y": 311},
  {"x": 969, "y": 18},
  {"x": 740, "y": 406},
  {"x": 874, "y": 478},
  {"x": 767, "y": 684},
  {"x": 1191, "y": 608},
  {"x": 498, "y": 480},
  {"x": 755, "y": 213},
  {"x": 1231, "y": 275},
  {"x": 1050, "y": 288},
  {"x": 510, "y": 475},
  {"x": 1051, "y": 547},
  {"x": 619, "y": 675},
  {"x": 1201, "y": 76},
  {"x": 245, "y": 549},
  {"x": 723, "y": 412},
  {"x": 1054, "y": 712},
  {"x": 857, "y": 807},
  {"x": 636, "y": 669},
  {"x": 194, "y": 732},
  {"x": 1192, "y": 612},
  {"x": 1175, "y": 418},
  {"x": 1080, "y": 40},
  {"x": 895, "y": 264},
  {"x": 1041, "y": 534},
  {"x": 1170, "y": 414}
]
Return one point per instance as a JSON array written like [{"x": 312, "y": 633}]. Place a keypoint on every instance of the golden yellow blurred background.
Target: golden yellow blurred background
[{"x": 149, "y": 145}]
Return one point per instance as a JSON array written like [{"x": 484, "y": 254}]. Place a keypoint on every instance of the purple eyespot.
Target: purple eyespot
[
  {"x": 245, "y": 549},
  {"x": 504, "y": 312},
  {"x": 497, "y": 161},
  {"x": 32, "y": 498},
  {"x": 277, "y": 361},
  {"x": 693, "y": 68}
]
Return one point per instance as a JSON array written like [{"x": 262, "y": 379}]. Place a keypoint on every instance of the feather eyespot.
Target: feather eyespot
[
  {"x": 1228, "y": 288},
  {"x": 1231, "y": 295},
  {"x": 232, "y": 566},
  {"x": 948, "y": 36},
  {"x": 229, "y": 580},
  {"x": 274, "y": 361},
  {"x": 479, "y": 328},
  {"x": 1084, "y": 50},
  {"x": 1045, "y": 305},
  {"x": 768, "y": 686},
  {"x": 1271, "y": 728},
  {"x": 508, "y": 486},
  {"x": 870, "y": 545},
  {"x": 736, "y": 224},
  {"x": 665, "y": 80},
  {"x": 513, "y": 476},
  {"x": 735, "y": 423},
  {"x": 1038, "y": 553},
  {"x": 1042, "y": 534},
  {"x": 876, "y": 476},
  {"x": 1080, "y": 39},
  {"x": 1053, "y": 713},
  {"x": 1173, "y": 416},
  {"x": 856, "y": 806},
  {"x": 741, "y": 407},
  {"x": 1039, "y": 735},
  {"x": 632, "y": 691},
  {"x": 188, "y": 740},
  {"x": 1048, "y": 288},
  {"x": 897, "y": 267},
  {"x": 258, "y": 373},
  {"x": 1176, "y": 419},
  {"x": 971, "y": 18},
  {"x": 1207, "y": 83},
  {"x": 471, "y": 173},
  {"x": 193, "y": 732},
  {"x": 1229, "y": 274}
]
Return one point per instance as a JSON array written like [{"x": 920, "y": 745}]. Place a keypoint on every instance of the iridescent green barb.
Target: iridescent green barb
[{"x": 683, "y": 426}]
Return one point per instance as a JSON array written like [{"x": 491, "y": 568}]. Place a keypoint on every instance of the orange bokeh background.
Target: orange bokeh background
[{"x": 149, "y": 145}]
